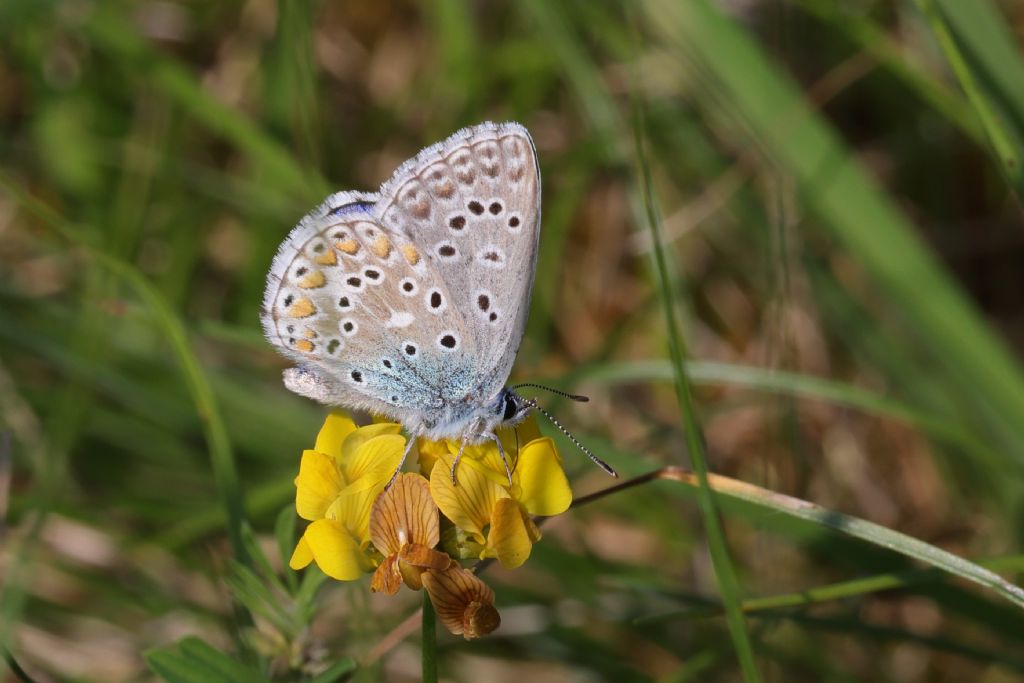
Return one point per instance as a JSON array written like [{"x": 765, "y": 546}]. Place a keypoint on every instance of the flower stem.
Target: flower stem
[{"x": 429, "y": 655}]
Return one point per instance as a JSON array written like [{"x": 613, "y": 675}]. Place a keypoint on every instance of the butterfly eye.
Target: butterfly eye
[{"x": 510, "y": 407}]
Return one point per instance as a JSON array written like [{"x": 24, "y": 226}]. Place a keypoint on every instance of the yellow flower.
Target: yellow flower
[
  {"x": 404, "y": 528},
  {"x": 493, "y": 513},
  {"x": 337, "y": 484}
]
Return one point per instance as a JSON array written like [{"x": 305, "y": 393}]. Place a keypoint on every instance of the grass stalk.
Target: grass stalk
[{"x": 724, "y": 570}]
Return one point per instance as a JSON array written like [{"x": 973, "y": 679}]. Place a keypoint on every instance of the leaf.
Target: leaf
[
  {"x": 284, "y": 534},
  {"x": 192, "y": 660},
  {"x": 336, "y": 671}
]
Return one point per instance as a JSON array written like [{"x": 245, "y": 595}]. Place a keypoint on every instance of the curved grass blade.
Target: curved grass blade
[
  {"x": 949, "y": 334},
  {"x": 1006, "y": 150},
  {"x": 849, "y": 525}
]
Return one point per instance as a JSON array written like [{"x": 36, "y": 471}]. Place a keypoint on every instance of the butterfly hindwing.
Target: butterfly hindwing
[{"x": 349, "y": 300}]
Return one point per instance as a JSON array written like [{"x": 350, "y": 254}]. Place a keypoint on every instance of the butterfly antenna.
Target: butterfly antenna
[
  {"x": 596, "y": 460},
  {"x": 575, "y": 397}
]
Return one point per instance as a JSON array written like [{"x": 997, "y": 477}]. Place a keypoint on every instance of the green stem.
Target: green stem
[{"x": 429, "y": 641}]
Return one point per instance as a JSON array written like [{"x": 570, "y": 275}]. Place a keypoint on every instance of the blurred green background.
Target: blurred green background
[{"x": 839, "y": 187}]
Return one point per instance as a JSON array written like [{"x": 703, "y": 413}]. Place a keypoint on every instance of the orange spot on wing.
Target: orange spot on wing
[
  {"x": 313, "y": 280},
  {"x": 349, "y": 246},
  {"x": 411, "y": 254},
  {"x": 302, "y": 308},
  {"x": 328, "y": 258},
  {"x": 305, "y": 345},
  {"x": 381, "y": 247}
]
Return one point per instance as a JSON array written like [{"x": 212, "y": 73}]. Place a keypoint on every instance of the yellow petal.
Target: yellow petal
[
  {"x": 337, "y": 426},
  {"x": 335, "y": 551},
  {"x": 374, "y": 462},
  {"x": 404, "y": 514},
  {"x": 302, "y": 556},
  {"x": 508, "y": 539},
  {"x": 464, "y": 603},
  {"x": 360, "y": 436},
  {"x": 486, "y": 458},
  {"x": 429, "y": 452},
  {"x": 317, "y": 485},
  {"x": 542, "y": 486},
  {"x": 352, "y": 510},
  {"x": 528, "y": 430},
  {"x": 469, "y": 503}
]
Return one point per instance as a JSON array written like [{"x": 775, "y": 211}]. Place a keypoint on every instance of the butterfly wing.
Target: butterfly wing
[
  {"x": 472, "y": 204},
  {"x": 349, "y": 301},
  {"x": 411, "y": 302}
]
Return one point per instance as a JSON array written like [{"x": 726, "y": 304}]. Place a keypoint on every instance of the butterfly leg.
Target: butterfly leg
[
  {"x": 501, "y": 451},
  {"x": 409, "y": 445},
  {"x": 455, "y": 462}
]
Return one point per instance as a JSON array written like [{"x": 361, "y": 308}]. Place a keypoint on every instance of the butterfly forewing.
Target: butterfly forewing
[
  {"x": 416, "y": 297},
  {"x": 472, "y": 203}
]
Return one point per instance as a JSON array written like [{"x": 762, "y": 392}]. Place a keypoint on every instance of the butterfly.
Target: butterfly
[{"x": 411, "y": 302}]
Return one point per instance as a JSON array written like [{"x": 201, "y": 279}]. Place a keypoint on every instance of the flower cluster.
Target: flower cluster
[{"x": 417, "y": 530}]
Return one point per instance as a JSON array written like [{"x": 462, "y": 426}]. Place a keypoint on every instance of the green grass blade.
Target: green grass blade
[
  {"x": 110, "y": 33},
  {"x": 839, "y": 591},
  {"x": 724, "y": 570},
  {"x": 207, "y": 409},
  {"x": 989, "y": 41},
  {"x": 891, "y": 56},
  {"x": 803, "y": 386},
  {"x": 729, "y": 489},
  {"x": 959, "y": 345},
  {"x": 856, "y": 527}
]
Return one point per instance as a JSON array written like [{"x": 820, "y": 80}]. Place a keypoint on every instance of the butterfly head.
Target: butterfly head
[{"x": 512, "y": 408}]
